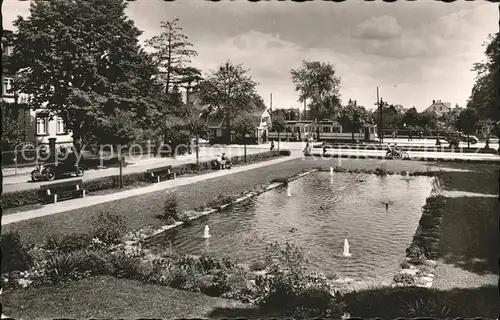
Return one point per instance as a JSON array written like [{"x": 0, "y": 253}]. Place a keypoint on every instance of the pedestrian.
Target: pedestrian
[
  {"x": 324, "y": 148},
  {"x": 438, "y": 143},
  {"x": 272, "y": 145},
  {"x": 396, "y": 134},
  {"x": 421, "y": 135},
  {"x": 410, "y": 136}
]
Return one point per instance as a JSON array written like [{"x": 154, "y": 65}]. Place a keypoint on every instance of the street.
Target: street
[{"x": 22, "y": 181}]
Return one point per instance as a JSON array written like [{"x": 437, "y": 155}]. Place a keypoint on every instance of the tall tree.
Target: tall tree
[
  {"x": 81, "y": 60},
  {"x": 353, "y": 118},
  {"x": 318, "y": 82},
  {"x": 484, "y": 96},
  {"x": 468, "y": 122},
  {"x": 229, "y": 90},
  {"x": 172, "y": 52},
  {"x": 411, "y": 117}
]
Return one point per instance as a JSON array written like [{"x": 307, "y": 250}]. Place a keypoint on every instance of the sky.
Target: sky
[{"x": 415, "y": 52}]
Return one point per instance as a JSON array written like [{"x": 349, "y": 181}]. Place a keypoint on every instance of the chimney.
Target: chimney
[
  {"x": 433, "y": 101},
  {"x": 355, "y": 102}
]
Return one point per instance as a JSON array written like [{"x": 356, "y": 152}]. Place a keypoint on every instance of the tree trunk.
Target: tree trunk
[
  {"x": 228, "y": 128},
  {"x": 197, "y": 149},
  {"x": 278, "y": 141},
  {"x": 77, "y": 140},
  {"x": 468, "y": 141},
  {"x": 353, "y": 140},
  {"x": 245, "y": 146}
]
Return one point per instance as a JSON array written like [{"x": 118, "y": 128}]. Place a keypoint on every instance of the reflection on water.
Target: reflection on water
[{"x": 323, "y": 211}]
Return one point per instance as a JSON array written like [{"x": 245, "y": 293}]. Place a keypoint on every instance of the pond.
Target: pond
[{"x": 321, "y": 212}]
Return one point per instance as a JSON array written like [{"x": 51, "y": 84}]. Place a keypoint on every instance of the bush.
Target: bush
[
  {"x": 258, "y": 266},
  {"x": 221, "y": 200},
  {"x": 108, "y": 228},
  {"x": 74, "y": 242},
  {"x": 20, "y": 198},
  {"x": 15, "y": 256},
  {"x": 404, "y": 278},
  {"x": 65, "y": 266},
  {"x": 170, "y": 210},
  {"x": 429, "y": 308},
  {"x": 285, "y": 152},
  {"x": 127, "y": 267}
]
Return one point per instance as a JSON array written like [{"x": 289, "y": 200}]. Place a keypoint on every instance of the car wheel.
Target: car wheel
[
  {"x": 50, "y": 175},
  {"x": 80, "y": 172}
]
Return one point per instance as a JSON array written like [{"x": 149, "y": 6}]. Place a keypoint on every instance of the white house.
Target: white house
[
  {"x": 38, "y": 125},
  {"x": 262, "y": 122},
  {"x": 439, "y": 108}
]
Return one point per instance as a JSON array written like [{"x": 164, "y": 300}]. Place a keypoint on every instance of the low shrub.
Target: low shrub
[
  {"x": 429, "y": 308},
  {"x": 186, "y": 219},
  {"x": 171, "y": 212},
  {"x": 128, "y": 267},
  {"x": 65, "y": 266},
  {"x": 108, "y": 228},
  {"x": 405, "y": 265},
  {"x": 221, "y": 200},
  {"x": 285, "y": 152},
  {"x": 404, "y": 278},
  {"x": 280, "y": 180},
  {"x": 425, "y": 242},
  {"x": 73, "y": 242},
  {"x": 289, "y": 289},
  {"x": 20, "y": 198},
  {"x": 258, "y": 266},
  {"x": 15, "y": 255}
]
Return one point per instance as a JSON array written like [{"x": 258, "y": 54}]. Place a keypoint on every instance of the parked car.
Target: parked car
[
  {"x": 462, "y": 137},
  {"x": 57, "y": 168}
]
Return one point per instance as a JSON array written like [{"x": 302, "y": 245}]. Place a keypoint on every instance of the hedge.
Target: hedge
[
  {"x": 33, "y": 196},
  {"x": 428, "y": 231}
]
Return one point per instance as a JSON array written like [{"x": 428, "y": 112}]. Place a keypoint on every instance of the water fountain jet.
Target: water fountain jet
[
  {"x": 289, "y": 191},
  {"x": 331, "y": 171},
  {"x": 206, "y": 234},
  {"x": 346, "y": 252}
]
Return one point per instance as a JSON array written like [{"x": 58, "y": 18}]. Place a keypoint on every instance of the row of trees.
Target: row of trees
[{"x": 82, "y": 60}]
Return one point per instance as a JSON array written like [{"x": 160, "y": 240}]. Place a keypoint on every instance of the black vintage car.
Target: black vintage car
[{"x": 54, "y": 168}]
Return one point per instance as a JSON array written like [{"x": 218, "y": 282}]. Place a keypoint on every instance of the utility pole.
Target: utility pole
[{"x": 271, "y": 104}]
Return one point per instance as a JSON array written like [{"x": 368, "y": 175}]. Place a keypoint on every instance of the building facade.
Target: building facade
[
  {"x": 439, "y": 108},
  {"x": 38, "y": 125}
]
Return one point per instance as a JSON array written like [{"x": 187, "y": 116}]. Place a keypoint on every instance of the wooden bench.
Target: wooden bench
[
  {"x": 157, "y": 174},
  {"x": 62, "y": 190}
]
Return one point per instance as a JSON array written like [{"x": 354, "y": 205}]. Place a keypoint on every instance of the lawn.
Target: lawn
[{"x": 107, "y": 297}]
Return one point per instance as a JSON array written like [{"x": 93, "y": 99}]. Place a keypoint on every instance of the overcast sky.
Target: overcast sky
[{"x": 415, "y": 52}]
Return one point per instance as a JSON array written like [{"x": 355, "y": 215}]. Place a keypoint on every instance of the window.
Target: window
[
  {"x": 434, "y": 108},
  {"x": 60, "y": 126},
  {"x": 441, "y": 108},
  {"x": 336, "y": 129},
  {"x": 7, "y": 85},
  {"x": 213, "y": 132},
  {"x": 41, "y": 125},
  {"x": 288, "y": 129},
  {"x": 327, "y": 129}
]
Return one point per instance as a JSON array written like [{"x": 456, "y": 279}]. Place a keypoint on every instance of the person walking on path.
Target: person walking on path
[
  {"x": 272, "y": 145},
  {"x": 410, "y": 136}
]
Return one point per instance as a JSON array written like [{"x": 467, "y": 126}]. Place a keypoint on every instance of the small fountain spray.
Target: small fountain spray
[
  {"x": 331, "y": 171},
  {"x": 206, "y": 234},
  {"x": 346, "y": 252},
  {"x": 289, "y": 191}
]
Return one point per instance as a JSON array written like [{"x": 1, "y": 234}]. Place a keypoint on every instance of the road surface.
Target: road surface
[{"x": 22, "y": 181}]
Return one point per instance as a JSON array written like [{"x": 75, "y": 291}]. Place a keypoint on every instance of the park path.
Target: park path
[{"x": 69, "y": 205}]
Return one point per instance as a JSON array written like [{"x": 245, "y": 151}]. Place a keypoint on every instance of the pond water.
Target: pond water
[{"x": 321, "y": 212}]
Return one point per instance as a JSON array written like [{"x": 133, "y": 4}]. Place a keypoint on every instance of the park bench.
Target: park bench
[
  {"x": 53, "y": 192},
  {"x": 157, "y": 174}
]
